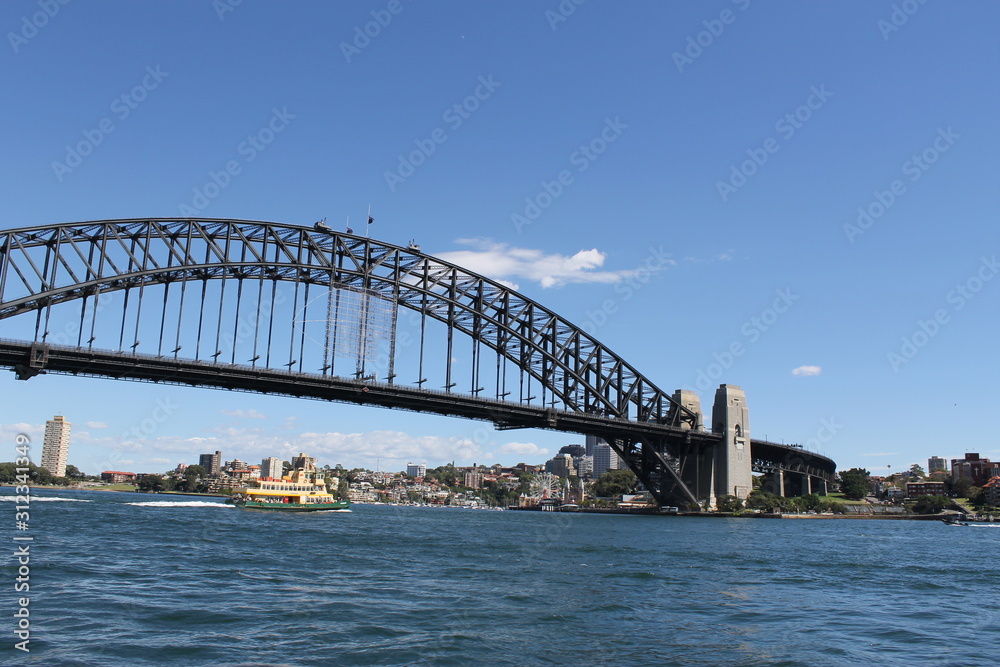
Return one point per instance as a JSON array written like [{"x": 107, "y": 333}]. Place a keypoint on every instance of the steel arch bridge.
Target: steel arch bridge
[{"x": 271, "y": 307}]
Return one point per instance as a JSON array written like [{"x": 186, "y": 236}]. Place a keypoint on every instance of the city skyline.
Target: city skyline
[{"x": 813, "y": 222}]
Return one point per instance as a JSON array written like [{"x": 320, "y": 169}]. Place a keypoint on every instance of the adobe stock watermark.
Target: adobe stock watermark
[
  {"x": 914, "y": 167},
  {"x": 122, "y": 107},
  {"x": 562, "y": 12},
  {"x": 30, "y": 25},
  {"x": 786, "y": 126},
  {"x": 899, "y": 17},
  {"x": 957, "y": 298},
  {"x": 656, "y": 261},
  {"x": 697, "y": 43},
  {"x": 223, "y": 7},
  {"x": 363, "y": 35},
  {"x": 248, "y": 150},
  {"x": 454, "y": 116},
  {"x": 164, "y": 409},
  {"x": 22, "y": 551},
  {"x": 751, "y": 331},
  {"x": 581, "y": 158}
]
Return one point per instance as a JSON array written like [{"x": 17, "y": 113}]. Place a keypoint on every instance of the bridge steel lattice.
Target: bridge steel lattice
[{"x": 210, "y": 289}]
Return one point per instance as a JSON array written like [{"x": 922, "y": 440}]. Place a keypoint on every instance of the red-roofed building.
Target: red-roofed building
[{"x": 992, "y": 491}]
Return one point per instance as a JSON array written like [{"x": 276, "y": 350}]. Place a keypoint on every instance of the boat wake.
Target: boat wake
[{"x": 180, "y": 503}]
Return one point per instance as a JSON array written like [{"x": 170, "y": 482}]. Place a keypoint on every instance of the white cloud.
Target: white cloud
[
  {"x": 392, "y": 447},
  {"x": 526, "y": 449},
  {"x": 96, "y": 424},
  {"x": 244, "y": 414},
  {"x": 806, "y": 371},
  {"x": 504, "y": 263}
]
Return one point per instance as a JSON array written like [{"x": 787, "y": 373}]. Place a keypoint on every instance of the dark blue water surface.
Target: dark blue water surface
[{"x": 129, "y": 579}]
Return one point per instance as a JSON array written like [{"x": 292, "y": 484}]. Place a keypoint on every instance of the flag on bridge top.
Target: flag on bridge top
[
  {"x": 370, "y": 220},
  {"x": 349, "y": 230}
]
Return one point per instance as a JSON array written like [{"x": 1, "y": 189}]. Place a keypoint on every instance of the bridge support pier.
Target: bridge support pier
[
  {"x": 817, "y": 485},
  {"x": 774, "y": 482},
  {"x": 796, "y": 484},
  {"x": 731, "y": 420}
]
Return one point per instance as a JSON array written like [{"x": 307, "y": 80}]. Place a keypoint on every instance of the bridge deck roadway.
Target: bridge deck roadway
[
  {"x": 168, "y": 370},
  {"x": 101, "y": 363}
]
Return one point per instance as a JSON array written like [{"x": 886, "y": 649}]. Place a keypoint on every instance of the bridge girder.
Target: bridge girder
[{"x": 43, "y": 266}]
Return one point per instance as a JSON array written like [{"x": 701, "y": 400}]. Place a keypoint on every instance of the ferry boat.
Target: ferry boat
[{"x": 301, "y": 491}]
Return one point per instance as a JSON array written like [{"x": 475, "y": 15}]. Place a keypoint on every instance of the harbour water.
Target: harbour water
[{"x": 129, "y": 579}]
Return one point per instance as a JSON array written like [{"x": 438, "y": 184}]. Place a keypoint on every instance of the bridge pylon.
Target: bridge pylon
[{"x": 731, "y": 458}]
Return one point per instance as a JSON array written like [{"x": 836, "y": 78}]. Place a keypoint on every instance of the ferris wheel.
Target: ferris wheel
[{"x": 544, "y": 485}]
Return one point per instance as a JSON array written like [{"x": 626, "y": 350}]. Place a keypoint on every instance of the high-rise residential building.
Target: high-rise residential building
[
  {"x": 303, "y": 462},
  {"x": 591, "y": 442},
  {"x": 271, "y": 467},
  {"x": 473, "y": 479},
  {"x": 212, "y": 463},
  {"x": 55, "y": 445},
  {"x": 416, "y": 469},
  {"x": 584, "y": 465},
  {"x": 936, "y": 463},
  {"x": 605, "y": 459}
]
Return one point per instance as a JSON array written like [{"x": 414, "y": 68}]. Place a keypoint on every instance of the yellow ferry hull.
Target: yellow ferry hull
[{"x": 293, "y": 507}]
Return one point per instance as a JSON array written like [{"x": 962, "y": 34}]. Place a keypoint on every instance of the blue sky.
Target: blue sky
[{"x": 811, "y": 184}]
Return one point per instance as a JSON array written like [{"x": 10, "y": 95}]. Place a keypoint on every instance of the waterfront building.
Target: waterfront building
[
  {"x": 992, "y": 491},
  {"x": 936, "y": 463},
  {"x": 117, "y": 477},
  {"x": 918, "y": 489},
  {"x": 975, "y": 468},
  {"x": 55, "y": 446},
  {"x": 605, "y": 459},
  {"x": 584, "y": 465},
  {"x": 212, "y": 463},
  {"x": 416, "y": 470},
  {"x": 271, "y": 467}
]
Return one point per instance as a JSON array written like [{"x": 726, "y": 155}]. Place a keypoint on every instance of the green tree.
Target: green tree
[
  {"x": 977, "y": 496},
  {"x": 930, "y": 504},
  {"x": 962, "y": 486},
  {"x": 196, "y": 470},
  {"x": 728, "y": 504},
  {"x": 615, "y": 483},
  {"x": 73, "y": 473},
  {"x": 854, "y": 483},
  {"x": 150, "y": 483},
  {"x": 810, "y": 501},
  {"x": 762, "y": 500},
  {"x": 917, "y": 471}
]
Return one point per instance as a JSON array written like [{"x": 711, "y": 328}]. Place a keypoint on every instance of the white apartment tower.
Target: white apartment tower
[
  {"x": 55, "y": 446},
  {"x": 271, "y": 467}
]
